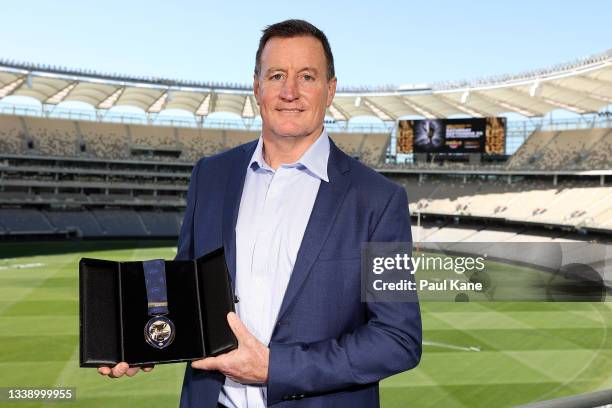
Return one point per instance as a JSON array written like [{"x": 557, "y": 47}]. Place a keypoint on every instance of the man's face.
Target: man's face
[{"x": 292, "y": 89}]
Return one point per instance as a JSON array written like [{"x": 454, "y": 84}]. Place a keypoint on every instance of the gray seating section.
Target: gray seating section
[
  {"x": 120, "y": 223},
  {"x": 82, "y": 221},
  {"x": 111, "y": 223},
  {"x": 160, "y": 223},
  {"x": 25, "y": 221},
  {"x": 81, "y": 138}
]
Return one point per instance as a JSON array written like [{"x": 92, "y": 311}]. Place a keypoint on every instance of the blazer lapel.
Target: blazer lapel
[
  {"x": 231, "y": 205},
  {"x": 329, "y": 200}
]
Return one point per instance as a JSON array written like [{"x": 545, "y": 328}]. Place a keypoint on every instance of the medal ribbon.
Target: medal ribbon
[{"x": 155, "y": 280}]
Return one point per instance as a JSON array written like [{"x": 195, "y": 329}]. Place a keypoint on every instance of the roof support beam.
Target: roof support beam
[
  {"x": 61, "y": 94},
  {"x": 203, "y": 110},
  {"x": 338, "y": 113},
  {"x": 596, "y": 81},
  {"x": 428, "y": 113},
  {"x": 254, "y": 105},
  {"x": 566, "y": 106},
  {"x": 378, "y": 110},
  {"x": 212, "y": 103},
  {"x": 555, "y": 102},
  {"x": 588, "y": 95},
  {"x": 110, "y": 100},
  {"x": 247, "y": 108},
  {"x": 526, "y": 95},
  {"x": 159, "y": 104},
  {"x": 463, "y": 108},
  {"x": 11, "y": 87},
  {"x": 509, "y": 106}
]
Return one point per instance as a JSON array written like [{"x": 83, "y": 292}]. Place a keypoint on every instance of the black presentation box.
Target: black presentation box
[{"x": 113, "y": 311}]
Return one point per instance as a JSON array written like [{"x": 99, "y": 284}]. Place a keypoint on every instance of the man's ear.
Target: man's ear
[
  {"x": 256, "y": 87},
  {"x": 331, "y": 90}
]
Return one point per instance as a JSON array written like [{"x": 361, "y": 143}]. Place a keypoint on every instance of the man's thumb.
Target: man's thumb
[{"x": 239, "y": 329}]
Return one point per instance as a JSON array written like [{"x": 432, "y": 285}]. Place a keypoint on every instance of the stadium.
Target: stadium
[{"x": 99, "y": 182}]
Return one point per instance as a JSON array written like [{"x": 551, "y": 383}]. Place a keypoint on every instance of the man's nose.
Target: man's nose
[{"x": 290, "y": 90}]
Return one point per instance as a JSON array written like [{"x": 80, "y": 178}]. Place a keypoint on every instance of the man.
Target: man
[{"x": 291, "y": 211}]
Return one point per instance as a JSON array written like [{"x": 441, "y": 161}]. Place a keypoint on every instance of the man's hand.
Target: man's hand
[
  {"x": 120, "y": 369},
  {"x": 248, "y": 364}
]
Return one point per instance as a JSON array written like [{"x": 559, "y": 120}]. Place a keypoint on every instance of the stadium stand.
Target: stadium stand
[
  {"x": 82, "y": 221},
  {"x": 90, "y": 224},
  {"x": 23, "y": 220},
  {"x": 57, "y": 169},
  {"x": 562, "y": 150},
  {"x": 535, "y": 200},
  {"x": 52, "y": 137},
  {"x": 601, "y": 219},
  {"x": 160, "y": 224},
  {"x": 600, "y": 155},
  {"x": 126, "y": 223},
  {"x": 527, "y": 154},
  {"x": 351, "y": 142},
  {"x": 451, "y": 198},
  {"x": 531, "y": 202},
  {"x": 458, "y": 236},
  {"x": 157, "y": 137},
  {"x": 235, "y": 138},
  {"x": 11, "y": 134},
  {"x": 491, "y": 235},
  {"x": 66, "y": 138},
  {"x": 104, "y": 140},
  {"x": 374, "y": 148},
  {"x": 450, "y": 234},
  {"x": 492, "y": 198},
  {"x": 198, "y": 143},
  {"x": 570, "y": 149},
  {"x": 572, "y": 203}
]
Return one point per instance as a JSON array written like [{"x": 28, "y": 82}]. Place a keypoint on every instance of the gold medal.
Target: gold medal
[{"x": 159, "y": 332}]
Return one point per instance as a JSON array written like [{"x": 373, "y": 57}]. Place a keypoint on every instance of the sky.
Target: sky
[{"x": 374, "y": 43}]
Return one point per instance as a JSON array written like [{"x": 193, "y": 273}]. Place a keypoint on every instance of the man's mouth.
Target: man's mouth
[{"x": 290, "y": 110}]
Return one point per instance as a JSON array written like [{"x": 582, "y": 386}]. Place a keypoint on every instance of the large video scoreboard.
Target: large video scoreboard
[{"x": 471, "y": 135}]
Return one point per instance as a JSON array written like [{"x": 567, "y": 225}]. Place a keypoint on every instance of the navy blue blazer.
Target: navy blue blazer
[{"x": 328, "y": 349}]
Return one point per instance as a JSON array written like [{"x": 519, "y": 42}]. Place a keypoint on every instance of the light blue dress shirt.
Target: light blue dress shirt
[{"x": 274, "y": 210}]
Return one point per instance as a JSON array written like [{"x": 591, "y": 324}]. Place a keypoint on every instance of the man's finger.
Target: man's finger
[
  {"x": 239, "y": 329},
  {"x": 132, "y": 371},
  {"x": 118, "y": 370},
  {"x": 104, "y": 370},
  {"x": 209, "y": 363},
  {"x": 147, "y": 369}
]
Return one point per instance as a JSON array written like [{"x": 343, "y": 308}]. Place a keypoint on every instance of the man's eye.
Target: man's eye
[
  {"x": 309, "y": 77},
  {"x": 277, "y": 77}
]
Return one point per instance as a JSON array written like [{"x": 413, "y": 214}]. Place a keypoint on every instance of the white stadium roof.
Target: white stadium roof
[{"x": 584, "y": 86}]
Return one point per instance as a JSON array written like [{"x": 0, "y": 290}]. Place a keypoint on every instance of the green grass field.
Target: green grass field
[{"x": 527, "y": 351}]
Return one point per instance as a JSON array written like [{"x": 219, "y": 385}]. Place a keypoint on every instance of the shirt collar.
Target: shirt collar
[{"x": 314, "y": 160}]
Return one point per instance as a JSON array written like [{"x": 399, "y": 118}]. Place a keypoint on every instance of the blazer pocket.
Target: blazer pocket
[{"x": 339, "y": 255}]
